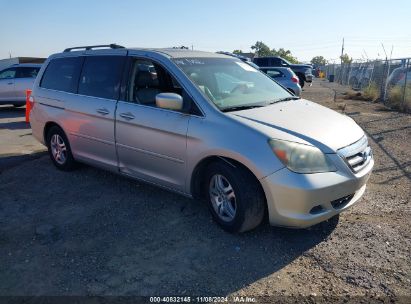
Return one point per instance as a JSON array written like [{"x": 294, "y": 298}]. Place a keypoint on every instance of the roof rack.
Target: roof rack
[{"x": 90, "y": 47}]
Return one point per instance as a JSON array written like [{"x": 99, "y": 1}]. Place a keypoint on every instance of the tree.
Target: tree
[
  {"x": 237, "y": 52},
  {"x": 319, "y": 61},
  {"x": 286, "y": 54},
  {"x": 261, "y": 49},
  {"x": 345, "y": 58}
]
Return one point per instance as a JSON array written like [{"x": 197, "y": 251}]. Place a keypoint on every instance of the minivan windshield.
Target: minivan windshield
[{"x": 232, "y": 84}]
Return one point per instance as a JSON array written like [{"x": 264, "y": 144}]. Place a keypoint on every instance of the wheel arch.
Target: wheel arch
[
  {"x": 48, "y": 126},
  {"x": 198, "y": 174}
]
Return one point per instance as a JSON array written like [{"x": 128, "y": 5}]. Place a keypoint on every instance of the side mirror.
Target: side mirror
[{"x": 171, "y": 101}]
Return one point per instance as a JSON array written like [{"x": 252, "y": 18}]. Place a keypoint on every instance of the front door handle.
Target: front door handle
[
  {"x": 103, "y": 111},
  {"x": 10, "y": 83},
  {"x": 127, "y": 116}
]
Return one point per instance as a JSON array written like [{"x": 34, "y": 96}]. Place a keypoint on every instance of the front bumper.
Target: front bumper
[{"x": 302, "y": 200}]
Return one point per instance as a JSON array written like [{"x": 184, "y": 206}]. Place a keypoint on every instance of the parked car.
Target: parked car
[
  {"x": 398, "y": 77},
  {"x": 242, "y": 58},
  {"x": 303, "y": 71},
  {"x": 360, "y": 77},
  {"x": 15, "y": 80},
  {"x": 207, "y": 126},
  {"x": 286, "y": 77}
]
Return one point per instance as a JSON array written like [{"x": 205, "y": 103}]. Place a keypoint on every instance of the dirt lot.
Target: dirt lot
[{"x": 90, "y": 232}]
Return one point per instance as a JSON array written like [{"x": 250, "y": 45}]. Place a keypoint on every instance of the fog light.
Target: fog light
[{"x": 317, "y": 209}]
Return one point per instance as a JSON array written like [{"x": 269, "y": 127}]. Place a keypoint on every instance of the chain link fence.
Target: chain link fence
[{"x": 387, "y": 81}]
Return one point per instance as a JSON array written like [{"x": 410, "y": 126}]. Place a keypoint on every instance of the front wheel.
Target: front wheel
[
  {"x": 234, "y": 196},
  {"x": 59, "y": 149}
]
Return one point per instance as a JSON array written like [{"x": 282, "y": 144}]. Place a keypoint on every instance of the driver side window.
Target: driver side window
[{"x": 149, "y": 79}]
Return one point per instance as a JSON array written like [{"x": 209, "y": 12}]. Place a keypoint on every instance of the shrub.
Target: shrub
[
  {"x": 371, "y": 92},
  {"x": 396, "y": 100}
]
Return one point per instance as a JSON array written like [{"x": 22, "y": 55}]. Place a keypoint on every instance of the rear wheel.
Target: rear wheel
[
  {"x": 235, "y": 197},
  {"x": 59, "y": 149}
]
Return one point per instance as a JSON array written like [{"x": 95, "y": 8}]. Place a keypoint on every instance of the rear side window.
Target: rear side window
[
  {"x": 262, "y": 61},
  {"x": 27, "y": 72},
  {"x": 62, "y": 74},
  {"x": 101, "y": 76}
]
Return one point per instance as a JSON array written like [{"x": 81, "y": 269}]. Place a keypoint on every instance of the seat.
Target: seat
[
  {"x": 202, "y": 85},
  {"x": 145, "y": 88}
]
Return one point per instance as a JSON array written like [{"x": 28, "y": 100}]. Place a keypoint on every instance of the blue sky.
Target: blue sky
[{"x": 307, "y": 28}]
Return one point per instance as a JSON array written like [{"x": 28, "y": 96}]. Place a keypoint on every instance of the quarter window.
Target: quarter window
[
  {"x": 62, "y": 74},
  {"x": 101, "y": 76},
  {"x": 274, "y": 73}
]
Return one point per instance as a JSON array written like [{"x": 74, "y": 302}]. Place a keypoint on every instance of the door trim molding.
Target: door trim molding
[
  {"x": 92, "y": 138},
  {"x": 151, "y": 153}
]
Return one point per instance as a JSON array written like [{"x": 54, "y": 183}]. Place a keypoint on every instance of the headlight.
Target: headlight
[{"x": 301, "y": 158}]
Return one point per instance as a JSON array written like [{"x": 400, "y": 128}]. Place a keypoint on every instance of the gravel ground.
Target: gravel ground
[{"x": 90, "y": 232}]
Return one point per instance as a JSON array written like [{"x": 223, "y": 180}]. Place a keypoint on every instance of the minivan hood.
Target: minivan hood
[{"x": 304, "y": 121}]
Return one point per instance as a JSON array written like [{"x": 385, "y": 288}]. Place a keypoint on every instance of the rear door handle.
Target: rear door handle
[
  {"x": 10, "y": 83},
  {"x": 127, "y": 116},
  {"x": 103, "y": 111}
]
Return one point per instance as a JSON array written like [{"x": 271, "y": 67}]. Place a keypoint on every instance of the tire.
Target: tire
[
  {"x": 246, "y": 198},
  {"x": 59, "y": 149}
]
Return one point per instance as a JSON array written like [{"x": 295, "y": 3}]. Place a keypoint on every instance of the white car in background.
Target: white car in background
[{"x": 15, "y": 80}]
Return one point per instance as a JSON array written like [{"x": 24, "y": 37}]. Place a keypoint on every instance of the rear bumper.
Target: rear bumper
[
  {"x": 309, "y": 78},
  {"x": 302, "y": 200},
  {"x": 297, "y": 89},
  {"x": 37, "y": 126}
]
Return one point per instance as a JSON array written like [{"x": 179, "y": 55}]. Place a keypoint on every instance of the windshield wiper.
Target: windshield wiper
[
  {"x": 238, "y": 108},
  {"x": 284, "y": 99}
]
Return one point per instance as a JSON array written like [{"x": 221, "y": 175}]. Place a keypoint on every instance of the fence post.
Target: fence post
[
  {"x": 405, "y": 85},
  {"x": 384, "y": 83}
]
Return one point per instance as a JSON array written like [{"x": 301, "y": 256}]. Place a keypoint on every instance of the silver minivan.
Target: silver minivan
[
  {"x": 15, "y": 80},
  {"x": 206, "y": 125}
]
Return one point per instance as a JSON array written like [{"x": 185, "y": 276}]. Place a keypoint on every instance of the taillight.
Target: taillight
[{"x": 295, "y": 79}]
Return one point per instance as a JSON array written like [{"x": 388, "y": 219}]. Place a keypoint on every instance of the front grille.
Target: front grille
[{"x": 357, "y": 155}]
